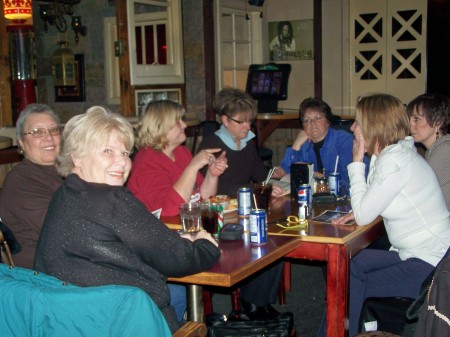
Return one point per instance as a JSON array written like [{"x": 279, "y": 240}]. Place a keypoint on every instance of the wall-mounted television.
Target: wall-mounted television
[{"x": 268, "y": 84}]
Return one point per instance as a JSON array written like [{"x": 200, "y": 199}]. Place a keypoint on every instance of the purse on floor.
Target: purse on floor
[{"x": 219, "y": 326}]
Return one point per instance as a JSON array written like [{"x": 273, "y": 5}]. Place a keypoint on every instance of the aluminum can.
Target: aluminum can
[
  {"x": 244, "y": 201},
  {"x": 303, "y": 211},
  {"x": 244, "y": 221},
  {"x": 304, "y": 195},
  {"x": 334, "y": 183},
  {"x": 258, "y": 226}
]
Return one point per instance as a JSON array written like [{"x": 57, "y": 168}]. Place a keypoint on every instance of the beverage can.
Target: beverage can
[
  {"x": 303, "y": 211},
  {"x": 304, "y": 195},
  {"x": 245, "y": 223},
  {"x": 334, "y": 183},
  {"x": 244, "y": 201},
  {"x": 258, "y": 226}
]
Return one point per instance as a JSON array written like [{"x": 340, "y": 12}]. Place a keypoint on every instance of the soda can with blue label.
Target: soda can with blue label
[
  {"x": 258, "y": 226},
  {"x": 304, "y": 195},
  {"x": 334, "y": 183},
  {"x": 244, "y": 201}
]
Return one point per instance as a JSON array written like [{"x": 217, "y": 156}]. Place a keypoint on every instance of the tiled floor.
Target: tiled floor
[{"x": 306, "y": 299}]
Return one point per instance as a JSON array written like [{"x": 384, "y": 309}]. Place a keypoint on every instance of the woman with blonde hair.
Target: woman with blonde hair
[
  {"x": 401, "y": 188},
  {"x": 164, "y": 173},
  {"x": 97, "y": 233}
]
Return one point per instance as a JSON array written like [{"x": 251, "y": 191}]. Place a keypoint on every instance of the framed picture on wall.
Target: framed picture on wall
[
  {"x": 291, "y": 40},
  {"x": 144, "y": 96},
  {"x": 77, "y": 92}
]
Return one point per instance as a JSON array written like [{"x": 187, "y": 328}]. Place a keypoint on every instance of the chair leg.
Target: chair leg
[{"x": 207, "y": 302}]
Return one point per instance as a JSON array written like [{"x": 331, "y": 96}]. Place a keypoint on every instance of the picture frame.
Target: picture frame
[
  {"x": 76, "y": 93},
  {"x": 144, "y": 96},
  {"x": 291, "y": 40}
]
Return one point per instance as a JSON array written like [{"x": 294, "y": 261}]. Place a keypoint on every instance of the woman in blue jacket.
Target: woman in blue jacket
[{"x": 319, "y": 144}]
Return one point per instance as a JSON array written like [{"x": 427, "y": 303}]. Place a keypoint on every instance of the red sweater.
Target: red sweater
[{"x": 153, "y": 176}]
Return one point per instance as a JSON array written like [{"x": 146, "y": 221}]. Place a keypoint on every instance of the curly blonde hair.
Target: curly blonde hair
[{"x": 91, "y": 130}]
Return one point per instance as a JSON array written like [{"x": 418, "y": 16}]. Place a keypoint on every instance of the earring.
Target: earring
[
  {"x": 20, "y": 150},
  {"x": 437, "y": 134}
]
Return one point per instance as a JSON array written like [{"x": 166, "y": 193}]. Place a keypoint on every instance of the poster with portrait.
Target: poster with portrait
[{"x": 291, "y": 40}]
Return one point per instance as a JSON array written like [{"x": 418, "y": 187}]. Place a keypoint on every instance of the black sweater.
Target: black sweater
[
  {"x": 244, "y": 166},
  {"x": 97, "y": 234}
]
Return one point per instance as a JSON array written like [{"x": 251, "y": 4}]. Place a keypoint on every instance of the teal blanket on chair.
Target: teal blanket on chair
[{"x": 37, "y": 305}]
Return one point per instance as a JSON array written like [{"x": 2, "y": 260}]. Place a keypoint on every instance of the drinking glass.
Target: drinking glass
[
  {"x": 210, "y": 214},
  {"x": 190, "y": 217},
  {"x": 262, "y": 193}
]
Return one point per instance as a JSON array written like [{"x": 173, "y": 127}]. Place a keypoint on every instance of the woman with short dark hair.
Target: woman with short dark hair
[{"x": 429, "y": 117}]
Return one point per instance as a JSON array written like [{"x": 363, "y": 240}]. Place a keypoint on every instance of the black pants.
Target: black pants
[{"x": 262, "y": 289}]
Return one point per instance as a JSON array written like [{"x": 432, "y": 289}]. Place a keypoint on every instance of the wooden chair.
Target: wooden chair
[{"x": 6, "y": 256}]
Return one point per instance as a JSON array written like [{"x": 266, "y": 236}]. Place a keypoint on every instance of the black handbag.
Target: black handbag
[{"x": 219, "y": 326}]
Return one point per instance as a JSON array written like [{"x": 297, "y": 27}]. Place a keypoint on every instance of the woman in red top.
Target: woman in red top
[{"x": 164, "y": 173}]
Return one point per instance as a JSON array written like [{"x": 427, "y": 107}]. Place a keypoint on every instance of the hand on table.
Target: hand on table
[
  {"x": 277, "y": 191},
  {"x": 343, "y": 220},
  {"x": 200, "y": 235}
]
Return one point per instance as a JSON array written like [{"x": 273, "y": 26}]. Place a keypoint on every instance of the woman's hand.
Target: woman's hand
[
  {"x": 359, "y": 145},
  {"x": 205, "y": 235},
  {"x": 218, "y": 166},
  {"x": 277, "y": 191},
  {"x": 301, "y": 139},
  {"x": 344, "y": 219},
  {"x": 278, "y": 173},
  {"x": 204, "y": 157}
]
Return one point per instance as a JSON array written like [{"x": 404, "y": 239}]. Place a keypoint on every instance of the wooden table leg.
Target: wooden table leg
[
  {"x": 337, "y": 290},
  {"x": 195, "y": 303}
]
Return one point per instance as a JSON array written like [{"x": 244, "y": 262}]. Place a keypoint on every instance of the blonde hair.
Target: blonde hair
[
  {"x": 159, "y": 117},
  {"x": 91, "y": 130},
  {"x": 383, "y": 120}
]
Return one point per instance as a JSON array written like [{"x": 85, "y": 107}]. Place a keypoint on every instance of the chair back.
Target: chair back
[
  {"x": 5, "y": 252},
  {"x": 206, "y": 128},
  {"x": 38, "y": 305}
]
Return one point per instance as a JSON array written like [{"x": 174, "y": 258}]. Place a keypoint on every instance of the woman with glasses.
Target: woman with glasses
[
  {"x": 28, "y": 187},
  {"x": 237, "y": 111},
  {"x": 429, "y": 117},
  {"x": 319, "y": 144}
]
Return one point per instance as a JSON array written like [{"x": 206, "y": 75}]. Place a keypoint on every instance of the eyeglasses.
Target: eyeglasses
[
  {"x": 308, "y": 121},
  {"x": 241, "y": 122},
  {"x": 41, "y": 132}
]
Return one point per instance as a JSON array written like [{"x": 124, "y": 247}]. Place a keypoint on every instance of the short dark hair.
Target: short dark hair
[
  {"x": 317, "y": 104},
  {"x": 230, "y": 102},
  {"x": 435, "y": 109}
]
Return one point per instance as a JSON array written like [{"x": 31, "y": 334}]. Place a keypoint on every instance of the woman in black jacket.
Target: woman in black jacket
[{"x": 97, "y": 233}]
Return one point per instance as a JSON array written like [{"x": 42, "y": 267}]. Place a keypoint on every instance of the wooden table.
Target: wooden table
[
  {"x": 239, "y": 259},
  {"x": 268, "y": 123},
  {"x": 335, "y": 244}
]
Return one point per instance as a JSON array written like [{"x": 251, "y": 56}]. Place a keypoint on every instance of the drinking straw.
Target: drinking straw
[
  {"x": 269, "y": 175},
  {"x": 254, "y": 200},
  {"x": 335, "y": 165}
]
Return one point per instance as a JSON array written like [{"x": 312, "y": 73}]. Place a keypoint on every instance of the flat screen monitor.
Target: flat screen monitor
[{"x": 268, "y": 84}]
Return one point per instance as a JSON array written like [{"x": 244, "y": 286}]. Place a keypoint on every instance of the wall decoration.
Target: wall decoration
[
  {"x": 77, "y": 92},
  {"x": 291, "y": 40},
  {"x": 145, "y": 96}
]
